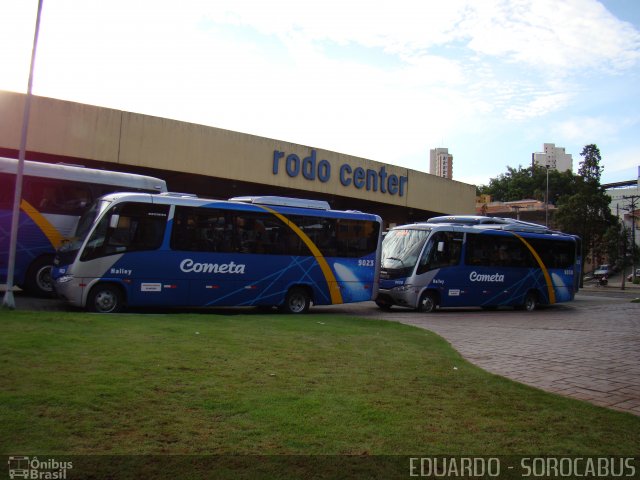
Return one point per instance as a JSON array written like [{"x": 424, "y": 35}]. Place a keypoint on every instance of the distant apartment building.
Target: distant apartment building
[
  {"x": 553, "y": 157},
  {"x": 625, "y": 204},
  {"x": 441, "y": 163}
]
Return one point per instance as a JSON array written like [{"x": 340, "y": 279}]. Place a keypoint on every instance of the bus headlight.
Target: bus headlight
[{"x": 403, "y": 288}]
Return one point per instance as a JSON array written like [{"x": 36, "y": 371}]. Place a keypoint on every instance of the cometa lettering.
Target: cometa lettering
[
  {"x": 189, "y": 266},
  {"x": 479, "y": 277}
]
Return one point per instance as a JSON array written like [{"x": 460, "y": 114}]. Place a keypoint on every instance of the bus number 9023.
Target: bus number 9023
[{"x": 366, "y": 263}]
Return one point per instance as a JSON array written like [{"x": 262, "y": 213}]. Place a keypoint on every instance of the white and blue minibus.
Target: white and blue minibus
[
  {"x": 463, "y": 261},
  {"x": 177, "y": 250},
  {"x": 53, "y": 198}
]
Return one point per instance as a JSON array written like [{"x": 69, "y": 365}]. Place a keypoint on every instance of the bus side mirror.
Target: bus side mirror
[
  {"x": 114, "y": 220},
  {"x": 440, "y": 247}
]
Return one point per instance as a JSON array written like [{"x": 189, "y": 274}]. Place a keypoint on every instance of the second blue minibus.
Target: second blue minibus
[{"x": 462, "y": 261}]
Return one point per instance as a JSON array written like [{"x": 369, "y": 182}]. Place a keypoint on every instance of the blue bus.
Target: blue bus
[
  {"x": 462, "y": 261},
  {"x": 179, "y": 250},
  {"x": 53, "y": 198}
]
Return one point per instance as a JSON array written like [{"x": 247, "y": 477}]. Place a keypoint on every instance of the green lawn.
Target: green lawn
[{"x": 263, "y": 384}]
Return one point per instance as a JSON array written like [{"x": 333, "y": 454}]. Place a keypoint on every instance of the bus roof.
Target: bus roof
[
  {"x": 494, "y": 223},
  {"x": 477, "y": 222},
  {"x": 304, "y": 206},
  {"x": 77, "y": 173},
  {"x": 284, "y": 202}
]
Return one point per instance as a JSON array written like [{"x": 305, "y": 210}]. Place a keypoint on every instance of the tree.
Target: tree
[
  {"x": 614, "y": 243},
  {"x": 521, "y": 183},
  {"x": 586, "y": 212},
  {"x": 583, "y": 205},
  {"x": 509, "y": 186},
  {"x": 590, "y": 169}
]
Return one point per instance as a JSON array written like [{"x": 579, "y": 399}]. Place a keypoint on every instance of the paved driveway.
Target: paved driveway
[{"x": 587, "y": 349}]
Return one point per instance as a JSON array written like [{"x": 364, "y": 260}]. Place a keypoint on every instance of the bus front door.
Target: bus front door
[{"x": 438, "y": 268}]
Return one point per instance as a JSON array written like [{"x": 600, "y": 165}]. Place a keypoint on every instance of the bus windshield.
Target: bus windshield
[
  {"x": 402, "y": 248},
  {"x": 68, "y": 250},
  {"x": 87, "y": 219}
]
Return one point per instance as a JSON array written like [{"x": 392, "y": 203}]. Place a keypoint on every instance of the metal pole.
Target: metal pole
[
  {"x": 632, "y": 209},
  {"x": 517, "y": 209},
  {"x": 8, "y": 300},
  {"x": 546, "y": 203},
  {"x": 633, "y": 237},
  {"x": 624, "y": 247}
]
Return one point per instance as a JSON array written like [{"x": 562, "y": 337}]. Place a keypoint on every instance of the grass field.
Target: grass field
[{"x": 265, "y": 384}]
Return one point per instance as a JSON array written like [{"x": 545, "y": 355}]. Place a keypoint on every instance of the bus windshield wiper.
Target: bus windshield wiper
[{"x": 396, "y": 258}]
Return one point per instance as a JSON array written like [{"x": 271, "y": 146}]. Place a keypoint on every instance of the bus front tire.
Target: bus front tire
[
  {"x": 105, "y": 298},
  {"x": 297, "y": 301},
  {"x": 383, "y": 305},
  {"x": 427, "y": 303},
  {"x": 38, "y": 280}
]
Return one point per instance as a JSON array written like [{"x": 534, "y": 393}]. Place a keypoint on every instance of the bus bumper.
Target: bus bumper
[
  {"x": 404, "y": 296},
  {"x": 70, "y": 289}
]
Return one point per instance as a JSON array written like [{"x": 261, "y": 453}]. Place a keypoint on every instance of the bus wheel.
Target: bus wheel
[
  {"x": 530, "y": 301},
  {"x": 383, "y": 305},
  {"x": 427, "y": 302},
  {"x": 297, "y": 301},
  {"x": 105, "y": 298},
  {"x": 38, "y": 281}
]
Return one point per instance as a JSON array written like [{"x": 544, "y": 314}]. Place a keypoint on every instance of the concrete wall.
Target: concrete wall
[
  {"x": 93, "y": 133},
  {"x": 63, "y": 128}
]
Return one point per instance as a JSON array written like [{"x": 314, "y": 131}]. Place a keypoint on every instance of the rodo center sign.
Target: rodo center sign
[{"x": 313, "y": 169}]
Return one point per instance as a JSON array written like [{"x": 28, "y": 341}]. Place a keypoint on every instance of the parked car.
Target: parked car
[
  {"x": 630, "y": 277},
  {"x": 602, "y": 270}
]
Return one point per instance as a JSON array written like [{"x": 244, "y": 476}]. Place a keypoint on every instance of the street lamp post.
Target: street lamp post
[
  {"x": 632, "y": 208},
  {"x": 8, "y": 300},
  {"x": 546, "y": 203}
]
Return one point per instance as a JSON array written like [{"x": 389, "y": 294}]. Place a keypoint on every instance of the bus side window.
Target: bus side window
[
  {"x": 140, "y": 227},
  {"x": 126, "y": 228},
  {"x": 356, "y": 238},
  {"x": 74, "y": 198},
  {"x": 555, "y": 253},
  {"x": 149, "y": 234},
  {"x": 423, "y": 265},
  {"x": 483, "y": 250},
  {"x": 455, "y": 248},
  {"x": 42, "y": 194},
  {"x": 7, "y": 192},
  {"x": 251, "y": 234},
  {"x": 443, "y": 250},
  {"x": 120, "y": 236}
]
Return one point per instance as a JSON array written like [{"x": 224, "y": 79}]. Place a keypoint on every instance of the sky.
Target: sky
[{"x": 491, "y": 80}]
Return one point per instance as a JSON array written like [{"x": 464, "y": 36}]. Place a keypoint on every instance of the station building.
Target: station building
[{"x": 216, "y": 163}]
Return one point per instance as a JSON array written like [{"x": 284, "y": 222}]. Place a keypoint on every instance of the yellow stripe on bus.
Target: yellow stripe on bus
[
  {"x": 545, "y": 272},
  {"x": 332, "y": 283},
  {"x": 45, "y": 225}
]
